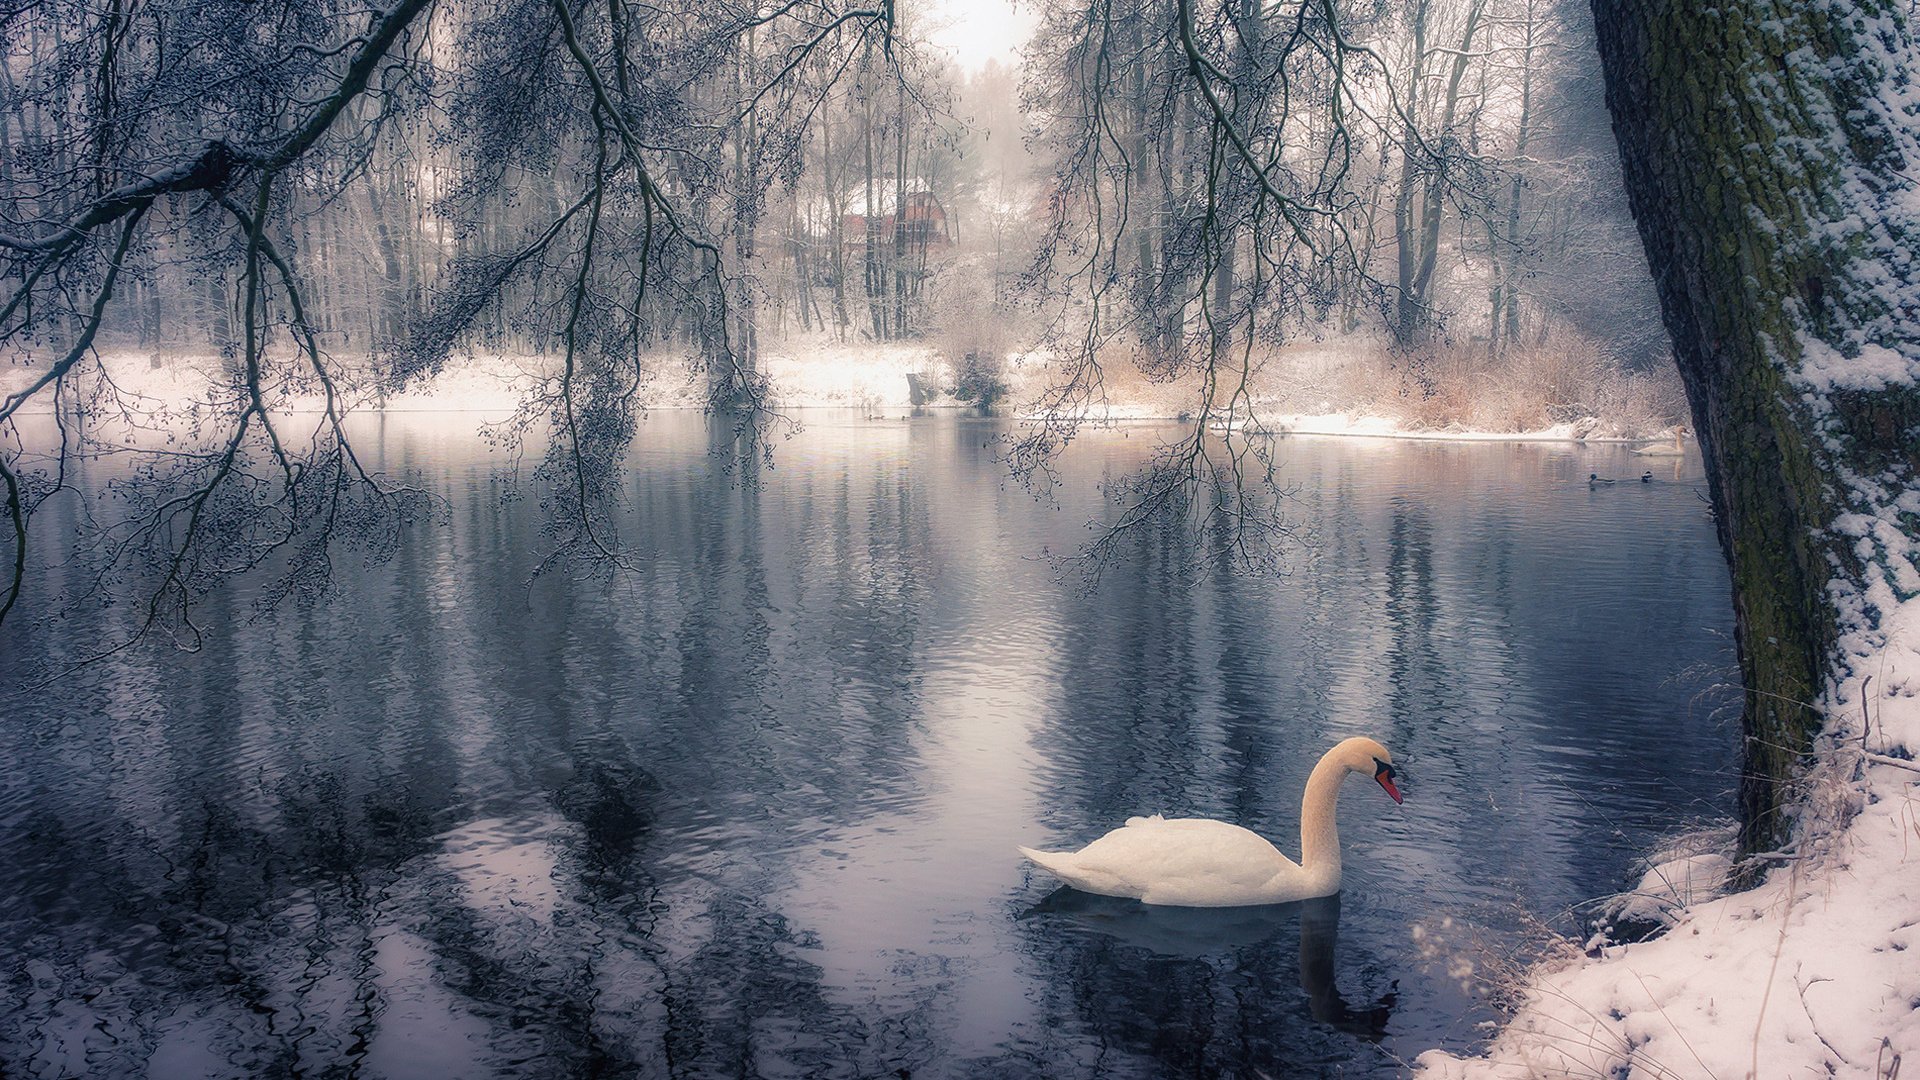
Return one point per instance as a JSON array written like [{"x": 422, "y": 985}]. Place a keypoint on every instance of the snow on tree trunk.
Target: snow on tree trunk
[{"x": 1771, "y": 158}]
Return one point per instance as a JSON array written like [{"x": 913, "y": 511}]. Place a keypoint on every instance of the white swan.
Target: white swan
[
  {"x": 1678, "y": 449},
  {"x": 1199, "y": 862}
]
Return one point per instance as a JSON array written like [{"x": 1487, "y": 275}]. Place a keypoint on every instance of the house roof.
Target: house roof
[{"x": 817, "y": 215}]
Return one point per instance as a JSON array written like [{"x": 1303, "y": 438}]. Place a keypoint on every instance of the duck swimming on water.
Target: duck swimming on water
[
  {"x": 1647, "y": 477},
  {"x": 1595, "y": 480}
]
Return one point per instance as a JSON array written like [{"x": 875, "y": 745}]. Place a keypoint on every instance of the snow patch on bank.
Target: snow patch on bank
[
  {"x": 822, "y": 373},
  {"x": 486, "y": 383},
  {"x": 1586, "y": 429}
]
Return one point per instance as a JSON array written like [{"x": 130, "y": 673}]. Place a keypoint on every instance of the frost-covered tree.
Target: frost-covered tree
[
  {"x": 1200, "y": 205},
  {"x": 1772, "y": 155},
  {"x": 587, "y": 177}
]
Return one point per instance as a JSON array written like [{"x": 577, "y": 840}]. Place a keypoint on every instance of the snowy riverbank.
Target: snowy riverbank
[
  {"x": 1815, "y": 973},
  {"x": 871, "y": 379},
  {"x": 1587, "y": 429}
]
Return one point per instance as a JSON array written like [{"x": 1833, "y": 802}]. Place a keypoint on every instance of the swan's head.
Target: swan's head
[{"x": 1365, "y": 756}]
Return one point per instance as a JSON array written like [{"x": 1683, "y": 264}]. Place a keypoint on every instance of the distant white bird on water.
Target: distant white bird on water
[
  {"x": 1678, "y": 449},
  {"x": 1199, "y": 862}
]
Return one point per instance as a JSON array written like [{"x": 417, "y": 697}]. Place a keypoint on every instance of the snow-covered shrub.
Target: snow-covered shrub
[
  {"x": 980, "y": 379},
  {"x": 971, "y": 330}
]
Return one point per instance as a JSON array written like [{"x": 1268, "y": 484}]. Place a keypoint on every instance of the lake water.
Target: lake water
[{"x": 751, "y": 809}]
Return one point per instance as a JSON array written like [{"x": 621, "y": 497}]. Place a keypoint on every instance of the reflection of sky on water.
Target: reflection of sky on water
[{"x": 752, "y": 807}]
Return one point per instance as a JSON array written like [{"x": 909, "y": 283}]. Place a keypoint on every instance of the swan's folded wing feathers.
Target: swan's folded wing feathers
[
  {"x": 1158, "y": 848},
  {"x": 1188, "y": 861},
  {"x": 1068, "y": 867}
]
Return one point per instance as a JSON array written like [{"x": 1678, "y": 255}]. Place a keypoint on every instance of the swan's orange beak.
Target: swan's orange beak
[{"x": 1384, "y": 776}]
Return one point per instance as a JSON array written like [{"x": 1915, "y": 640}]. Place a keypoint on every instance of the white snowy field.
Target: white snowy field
[
  {"x": 142, "y": 381},
  {"x": 1325, "y": 389},
  {"x": 1816, "y": 973},
  {"x": 867, "y": 377}
]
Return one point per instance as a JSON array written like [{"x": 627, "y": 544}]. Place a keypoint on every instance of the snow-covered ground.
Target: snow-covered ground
[
  {"x": 1815, "y": 973},
  {"x": 864, "y": 376},
  {"x": 483, "y": 384},
  {"x": 811, "y": 375},
  {"x": 819, "y": 372}
]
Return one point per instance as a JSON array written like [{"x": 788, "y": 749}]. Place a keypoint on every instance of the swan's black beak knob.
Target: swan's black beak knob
[{"x": 1383, "y": 775}]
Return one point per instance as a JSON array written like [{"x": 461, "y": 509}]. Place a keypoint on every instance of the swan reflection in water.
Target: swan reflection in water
[{"x": 1202, "y": 932}]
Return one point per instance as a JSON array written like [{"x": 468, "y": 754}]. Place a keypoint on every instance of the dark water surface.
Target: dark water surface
[{"x": 751, "y": 809}]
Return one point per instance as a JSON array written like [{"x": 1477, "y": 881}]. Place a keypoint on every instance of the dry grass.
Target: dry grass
[
  {"x": 1564, "y": 381},
  {"x": 1567, "y": 380}
]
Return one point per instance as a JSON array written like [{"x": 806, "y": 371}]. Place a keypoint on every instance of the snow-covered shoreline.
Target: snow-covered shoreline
[
  {"x": 866, "y": 378},
  {"x": 1814, "y": 973},
  {"x": 1345, "y": 425}
]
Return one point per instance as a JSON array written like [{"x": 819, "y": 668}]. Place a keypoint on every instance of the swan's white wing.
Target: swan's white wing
[{"x": 1188, "y": 861}]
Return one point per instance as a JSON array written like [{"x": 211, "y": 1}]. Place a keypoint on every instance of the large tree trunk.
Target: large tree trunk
[{"x": 1774, "y": 191}]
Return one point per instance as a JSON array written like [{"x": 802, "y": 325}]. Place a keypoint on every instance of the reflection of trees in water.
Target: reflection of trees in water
[
  {"x": 180, "y": 848},
  {"x": 1200, "y": 992},
  {"x": 1249, "y": 749},
  {"x": 1418, "y": 684},
  {"x": 1128, "y": 722},
  {"x": 1216, "y": 696},
  {"x": 1169, "y": 699},
  {"x": 271, "y": 933},
  {"x": 792, "y": 660},
  {"x": 263, "y": 842},
  {"x": 266, "y": 931},
  {"x": 272, "y": 854},
  {"x": 1170, "y": 692}
]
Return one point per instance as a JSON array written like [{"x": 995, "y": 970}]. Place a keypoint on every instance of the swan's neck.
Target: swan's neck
[{"x": 1319, "y": 836}]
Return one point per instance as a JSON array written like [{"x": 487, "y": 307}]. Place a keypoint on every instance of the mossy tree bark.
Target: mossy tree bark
[{"x": 1770, "y": 158}]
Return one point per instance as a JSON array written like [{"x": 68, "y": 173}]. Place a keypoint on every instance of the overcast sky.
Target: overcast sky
[{"x": 975, "y": 31}]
